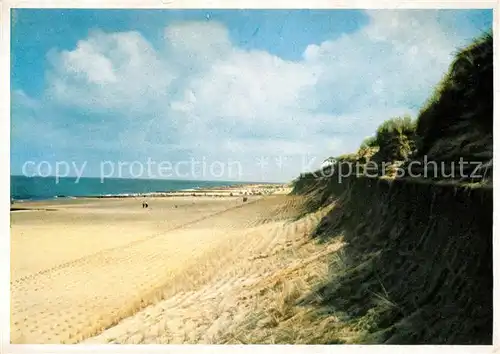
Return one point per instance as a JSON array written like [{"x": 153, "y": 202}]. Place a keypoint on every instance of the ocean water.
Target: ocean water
[{"x": 40, "y": 188}]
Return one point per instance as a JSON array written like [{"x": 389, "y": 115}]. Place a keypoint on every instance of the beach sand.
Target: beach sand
[{"x": 184, "y": 270}]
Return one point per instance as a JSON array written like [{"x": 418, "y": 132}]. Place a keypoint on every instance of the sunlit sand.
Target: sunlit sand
[{"x": 87, "y": 269}]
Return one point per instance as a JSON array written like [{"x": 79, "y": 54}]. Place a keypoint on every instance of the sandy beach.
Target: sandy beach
[{"x": 108, "y": 270}]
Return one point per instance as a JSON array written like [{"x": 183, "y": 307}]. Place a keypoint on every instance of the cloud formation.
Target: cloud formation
[{"x": 200, "y": 95}]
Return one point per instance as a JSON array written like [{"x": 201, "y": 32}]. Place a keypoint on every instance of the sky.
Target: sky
[{"x": 249, "y": 95}]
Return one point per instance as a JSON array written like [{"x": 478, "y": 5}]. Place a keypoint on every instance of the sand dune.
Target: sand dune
[{"x": 110, "y": 271}]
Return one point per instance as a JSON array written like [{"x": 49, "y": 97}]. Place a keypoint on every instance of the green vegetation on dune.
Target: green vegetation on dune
[
  {"x": 457, "y": 121},
  {"x": 455, "y": 124},
  {"x": 417, "y": 265},
  {"x": 395, "y": 139}
]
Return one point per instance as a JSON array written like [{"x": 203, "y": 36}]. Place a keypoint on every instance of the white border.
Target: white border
[
  {"x": 496, "y": 169},
  {"x": 5, "y": 7},
  {"x": 249, "y": 4},
  {"x": 5, "y": 176}
]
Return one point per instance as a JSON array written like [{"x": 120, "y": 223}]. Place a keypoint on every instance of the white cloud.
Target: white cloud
[
  {"x": 203, "y": 94},
  {"x": 119, "y": 71}
]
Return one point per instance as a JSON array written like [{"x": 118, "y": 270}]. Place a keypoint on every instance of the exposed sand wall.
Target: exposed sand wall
[{"x": 417, "y": 267}]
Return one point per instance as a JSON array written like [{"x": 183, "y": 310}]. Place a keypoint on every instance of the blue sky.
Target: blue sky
[{"x": 284, "y": 87}]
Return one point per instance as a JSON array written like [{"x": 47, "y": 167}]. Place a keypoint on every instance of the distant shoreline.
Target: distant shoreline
[
  {"x": 217, "y": 191},
  {"x": 237, "y": 190},
  {"x": 26, "y": 189}
]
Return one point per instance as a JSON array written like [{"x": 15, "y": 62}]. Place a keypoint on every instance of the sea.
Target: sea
[{"x": 24, "y": 188}]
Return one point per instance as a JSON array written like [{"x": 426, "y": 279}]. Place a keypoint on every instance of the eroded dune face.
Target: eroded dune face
[{"x": 82, "y": 269}]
